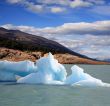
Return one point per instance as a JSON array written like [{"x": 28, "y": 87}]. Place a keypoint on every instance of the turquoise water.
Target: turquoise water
[{"x": 12, "y": 94}]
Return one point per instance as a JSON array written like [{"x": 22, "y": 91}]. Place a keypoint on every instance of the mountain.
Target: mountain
[
  {"x": 13, "y": 41},
  {"x": 107, "y": 60}
]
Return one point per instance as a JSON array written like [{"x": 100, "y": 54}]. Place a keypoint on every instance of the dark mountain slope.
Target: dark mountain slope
[{"x": 15, "y": 39}]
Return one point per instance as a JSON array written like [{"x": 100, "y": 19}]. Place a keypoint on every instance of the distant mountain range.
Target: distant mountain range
[
  {"x": 107, "y": 60},
  {"x": 15, "y": 40}
]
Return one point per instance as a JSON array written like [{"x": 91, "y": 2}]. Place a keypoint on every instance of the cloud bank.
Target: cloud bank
[{"x": 81, "y": 28}]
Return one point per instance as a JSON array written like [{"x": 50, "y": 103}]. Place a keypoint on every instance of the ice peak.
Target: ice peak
[{"x": 50, "y": 56}]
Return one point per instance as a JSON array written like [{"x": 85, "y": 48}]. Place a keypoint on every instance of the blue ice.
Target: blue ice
[
  {"x": 9, "y": 69},
  {"x": 46, "y": 70}
]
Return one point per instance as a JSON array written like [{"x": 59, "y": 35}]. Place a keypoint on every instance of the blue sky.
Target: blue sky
[
  {"x": 17, "y": 14},
  {"x": 81, "y": 25}
]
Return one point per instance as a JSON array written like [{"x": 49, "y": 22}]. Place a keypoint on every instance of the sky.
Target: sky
[{"x": 81, "y": 25}]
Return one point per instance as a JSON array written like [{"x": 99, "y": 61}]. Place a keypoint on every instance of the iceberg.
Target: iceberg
[
  {"x": 47, "y": 70},
  {"x": 79, "y": 78},
  {"x": 78, "y": 75},
  {"x": 9, "y": 69}
]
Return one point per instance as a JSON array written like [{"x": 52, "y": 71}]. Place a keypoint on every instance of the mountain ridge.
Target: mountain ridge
[{"x": 18, "y": 40}]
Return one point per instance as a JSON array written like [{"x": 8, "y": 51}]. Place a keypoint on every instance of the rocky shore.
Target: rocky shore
[{"x": 17, "y": 55}]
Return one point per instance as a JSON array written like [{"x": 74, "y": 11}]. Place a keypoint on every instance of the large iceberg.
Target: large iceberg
[{"x": 47, "y": 70}]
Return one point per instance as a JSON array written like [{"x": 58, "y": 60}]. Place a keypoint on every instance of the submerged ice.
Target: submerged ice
[{"x": 46, "y": 70}]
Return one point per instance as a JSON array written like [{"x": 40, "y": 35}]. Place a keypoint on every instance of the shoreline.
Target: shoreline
[{"x": 63, "y": 58}]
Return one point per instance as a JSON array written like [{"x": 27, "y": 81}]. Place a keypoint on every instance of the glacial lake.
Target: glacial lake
[{"x": 12, "y": 94}]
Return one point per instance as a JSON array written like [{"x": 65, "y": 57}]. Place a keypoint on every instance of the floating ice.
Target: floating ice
[
  {"x": 79, "y": 78},
  {"x": 23, "y": 66},
  {"x": 8, "y": 69},
  {"x": 91, "y": 83},
  {"x": 47, "y": 70},
  {"x": 7, "y": 76},
  {"x": 79, "y": 75}
]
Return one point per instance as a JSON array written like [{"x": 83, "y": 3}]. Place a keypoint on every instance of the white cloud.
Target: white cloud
[
  {"x": 35, "y": 8},
  {"x": 55, "y": 6},
  {"x": 97, "y": 1},
  {"x": 31, "y": 6},
  {"x": 95, "y": 28},
  {"x": 14, "y": 1},
  {"x": 90, "y": 45},
  {"x": 57, "y": 9},
  {"x": 80, "y": 3},
  {"x": 38, "y": 7},
  {"x": 72, "y": 3},
  {"x": 58, "y": 2},
  {"x": 81, "y": 28}
]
